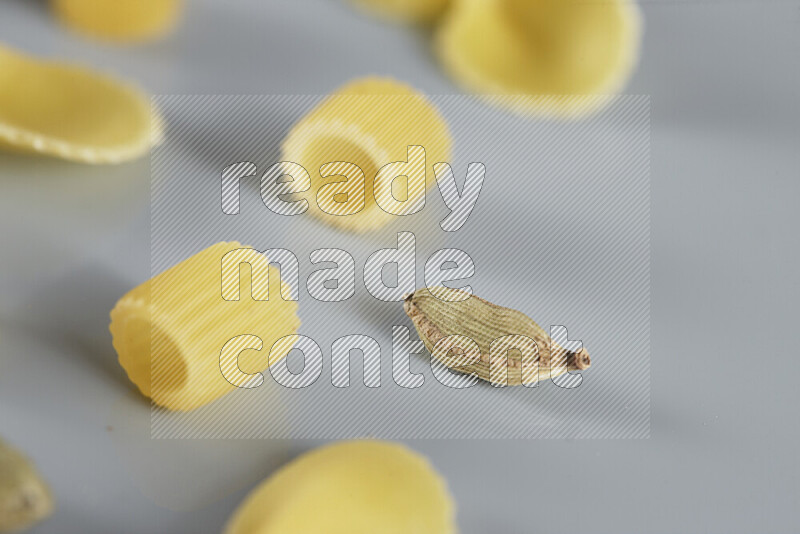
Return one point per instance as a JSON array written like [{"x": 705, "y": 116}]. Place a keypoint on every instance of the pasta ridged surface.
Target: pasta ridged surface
[
  {"x": 558, "y": 58},
  {"x": 371, "y": 123},
  {"x": 169, "y": 332},
  {"x": 71, "y": 112},
  {"x": 119, "y": 20}
]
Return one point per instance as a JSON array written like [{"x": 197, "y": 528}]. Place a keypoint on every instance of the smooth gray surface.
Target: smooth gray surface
[{"x": 724, "y": 81}]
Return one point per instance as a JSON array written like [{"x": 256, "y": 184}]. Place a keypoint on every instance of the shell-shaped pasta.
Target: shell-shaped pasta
[
  {"x": 170, "y": 332},
  {"x": 71, "y": 112},
  {"x": 359, "y": 487},
  {"x": 370, "y": 123},
  {"x": 119, "y": 20},
  {"x": 418, "y": 11},
  {"x": 553, "y": 58}
]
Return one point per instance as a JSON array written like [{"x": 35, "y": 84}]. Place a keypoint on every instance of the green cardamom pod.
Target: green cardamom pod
[{"x": 500, "y": 345}]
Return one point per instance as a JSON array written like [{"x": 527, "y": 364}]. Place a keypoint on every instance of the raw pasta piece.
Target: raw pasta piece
[
  {"x": 420, "y": 11},
  {"x": 358, "y": 487},
  {"x": 552, "y": 58},
  {"x": 25, "y": 498},
  {"x": 71, "y": 112},
  {"x": 370, "y": 122},
  {"x": 169, "y": 332},
  {"x": 119, "y": 20}
]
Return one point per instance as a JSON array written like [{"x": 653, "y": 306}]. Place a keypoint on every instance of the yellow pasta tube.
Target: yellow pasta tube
[
  {"x": 355, "y": 142},
  {"x": 419, "y": 11},
  {"x": 359, "y": 487},
  {"x": 119, "y": 20},
  {"x": 176, "y": 334},
  {"x": 562, "y": 57},
  {"x": 71, "y": 112}
]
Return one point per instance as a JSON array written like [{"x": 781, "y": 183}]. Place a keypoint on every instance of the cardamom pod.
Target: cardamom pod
[
  {"x": 24, "y": 497},
  {"x": 500, "y": 345}
]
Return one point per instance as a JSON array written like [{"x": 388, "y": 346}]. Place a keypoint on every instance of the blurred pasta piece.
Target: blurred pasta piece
[
  {"x": 357, "y": 487},
  {"x": 170, "y": 332},
  {"x": 25, "y": 499},
  {"x": 119, "y": 20},
  {"x": 369, "y": 123},
  {"x": 555, "y": 58},
  {"x": 419, "y": 11},
  {"x": 71, "y": 112}
]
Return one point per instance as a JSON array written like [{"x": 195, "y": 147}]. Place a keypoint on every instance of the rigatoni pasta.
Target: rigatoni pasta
[
  {"x": 170, "y": 332},
  {"x": 369, "y": 126}
]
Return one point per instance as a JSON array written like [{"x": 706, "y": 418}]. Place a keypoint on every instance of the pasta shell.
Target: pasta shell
[
  {"x": 119, "y": 20},
  {"x": 418, "y": 11},
  {"x": 170, "y": 331},
  {"x": 371, "y": 123},
  {"x": 358, "y": 487},
  {"x": 552, "y": 58},
  {"x": 71, "y": 112}
]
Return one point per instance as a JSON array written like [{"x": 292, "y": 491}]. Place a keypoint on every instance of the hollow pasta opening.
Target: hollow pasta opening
[{"x": 331, "y": 148}]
